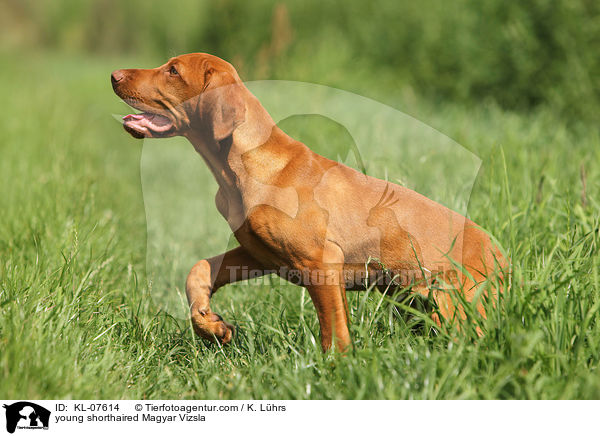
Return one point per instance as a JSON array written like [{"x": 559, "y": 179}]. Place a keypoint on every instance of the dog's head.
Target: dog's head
[{"x": 193, "y": 91}]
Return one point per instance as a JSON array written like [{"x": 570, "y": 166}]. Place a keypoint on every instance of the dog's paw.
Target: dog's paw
[{"x": 210, "y": 326}]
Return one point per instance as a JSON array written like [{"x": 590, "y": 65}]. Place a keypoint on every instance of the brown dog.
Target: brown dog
[{"x": 296, "y": 213}]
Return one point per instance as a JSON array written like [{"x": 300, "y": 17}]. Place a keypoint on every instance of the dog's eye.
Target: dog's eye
[{"x": 173, "y": 71}]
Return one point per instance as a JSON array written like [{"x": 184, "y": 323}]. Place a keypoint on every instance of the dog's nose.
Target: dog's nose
[{"x": 117, "y": 76}]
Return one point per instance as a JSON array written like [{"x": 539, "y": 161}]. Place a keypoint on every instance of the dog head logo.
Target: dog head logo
[{"x": 26, "y": 415}]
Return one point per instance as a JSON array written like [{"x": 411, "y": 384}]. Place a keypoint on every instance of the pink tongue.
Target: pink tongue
[
  {"x": 133, "y": 117},
  {"x": 147, "y": 121}
]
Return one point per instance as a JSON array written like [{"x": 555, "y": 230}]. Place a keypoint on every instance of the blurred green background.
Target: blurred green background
[{"x": 520, "y": 54}]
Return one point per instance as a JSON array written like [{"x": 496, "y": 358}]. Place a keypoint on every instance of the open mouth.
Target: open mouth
[{"x": 148, "y": 125}]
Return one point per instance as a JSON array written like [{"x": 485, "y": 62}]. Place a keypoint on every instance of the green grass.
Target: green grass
[{"x": 78, "y": 318}]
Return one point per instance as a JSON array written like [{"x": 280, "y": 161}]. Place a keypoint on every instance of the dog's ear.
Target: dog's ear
[{"x": 221, "y": 105}]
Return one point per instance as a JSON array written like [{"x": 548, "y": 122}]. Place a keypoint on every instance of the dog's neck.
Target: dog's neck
[{"x": 229, "y": 160}]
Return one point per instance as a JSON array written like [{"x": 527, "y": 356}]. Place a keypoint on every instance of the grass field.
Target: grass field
[{"x": 77, "y": 318}]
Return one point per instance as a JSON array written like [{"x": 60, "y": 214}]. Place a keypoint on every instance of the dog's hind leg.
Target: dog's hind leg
[{"x": 205, "y": 278}]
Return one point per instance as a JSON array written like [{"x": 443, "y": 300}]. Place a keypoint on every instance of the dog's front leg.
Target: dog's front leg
[
  {"x": 205, "y": 278},
  {"x": 329, "y": 301},
  {"x": 327, "y": 290}
]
